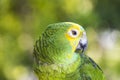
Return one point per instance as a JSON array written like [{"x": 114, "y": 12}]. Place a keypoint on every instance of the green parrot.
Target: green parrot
[{"x": 59, "y": 54}]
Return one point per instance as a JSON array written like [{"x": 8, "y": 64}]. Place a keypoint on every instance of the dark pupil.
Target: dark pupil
[{"x": 74, "y": 32}]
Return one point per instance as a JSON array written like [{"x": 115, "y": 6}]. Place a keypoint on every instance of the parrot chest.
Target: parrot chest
[{"x": 59, "y": 71}]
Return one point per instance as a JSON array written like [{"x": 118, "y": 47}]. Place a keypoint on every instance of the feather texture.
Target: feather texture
[{"x": 56, "y": 57}]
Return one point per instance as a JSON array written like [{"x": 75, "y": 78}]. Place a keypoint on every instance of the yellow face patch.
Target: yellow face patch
[{"x": 74, "y": 34}]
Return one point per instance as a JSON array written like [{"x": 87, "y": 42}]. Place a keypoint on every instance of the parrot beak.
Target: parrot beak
[{"x": 82, "y": 45}]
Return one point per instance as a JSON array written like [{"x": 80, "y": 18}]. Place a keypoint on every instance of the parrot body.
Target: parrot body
[
  {"x": 59, "y": 54},
  {"x": 89, "y": 70},
  {"x": 58, "y": 71}
]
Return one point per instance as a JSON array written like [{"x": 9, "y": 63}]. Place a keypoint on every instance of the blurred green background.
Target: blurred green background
[{"x": 23, "y": 21}]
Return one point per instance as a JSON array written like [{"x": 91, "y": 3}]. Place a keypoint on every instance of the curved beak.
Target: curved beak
[{"x": 82, "y": 43}]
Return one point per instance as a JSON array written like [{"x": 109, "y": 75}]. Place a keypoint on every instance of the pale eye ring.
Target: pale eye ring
[{"x": 73, "y": 33}]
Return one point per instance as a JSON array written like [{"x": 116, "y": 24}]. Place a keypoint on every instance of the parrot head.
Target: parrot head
[{"x": 59, "y": 42}]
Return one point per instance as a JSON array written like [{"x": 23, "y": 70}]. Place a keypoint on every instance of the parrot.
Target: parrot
[{"x": 59, "y": 54}]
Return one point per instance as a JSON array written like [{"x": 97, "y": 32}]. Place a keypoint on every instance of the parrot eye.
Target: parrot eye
[{"x": 73, "y": 33}]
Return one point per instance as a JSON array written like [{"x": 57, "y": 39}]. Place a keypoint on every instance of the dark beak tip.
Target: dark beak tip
[{"x": 81, "y": 46}]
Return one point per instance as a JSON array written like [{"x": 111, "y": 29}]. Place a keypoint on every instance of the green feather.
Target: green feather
[
  {"x": 89, "y": 70},
  {"x": 51, "y": 63}
]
